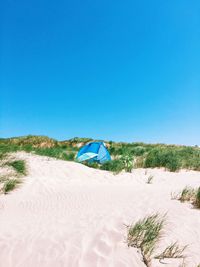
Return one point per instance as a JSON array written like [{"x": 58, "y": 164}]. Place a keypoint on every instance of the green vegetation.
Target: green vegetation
[
  {"x": 115, "y": 166},
  {"x": 18, "y": 165},
  {"x": 127, "y": 160},
  {"x": 3, "y": 178},
  {"x": 170, "y": 157},
  {"x": 56, "y": 152},
  {"x": 10, "y": 179},
  {"x": 197, "y": 199},
  {"x": 162, "y": 158},
  {"x": 145, "y": 234},
  {"x": 189, "y": 194},
  {"x": 9, "y": 185}
]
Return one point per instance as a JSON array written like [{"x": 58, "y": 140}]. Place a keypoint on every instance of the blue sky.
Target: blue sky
[{"x": 116, "y": 70}]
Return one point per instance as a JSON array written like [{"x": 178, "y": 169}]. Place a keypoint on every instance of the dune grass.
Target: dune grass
[
  {"x": 150, "y": 179},
  {"x": 3, "y": 178},
  {"x": 197, "y": 199},
  {"x": 10, "y": 180},
  {"x": 173, "y": 251},
  {"x": 145, "y": 234},
  {"x": 189, "y": 194},
  {"x": 18, "y": 165},
  {"x": 10, "y": 185}
]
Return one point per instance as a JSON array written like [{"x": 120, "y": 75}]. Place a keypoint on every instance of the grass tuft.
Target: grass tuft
[
  {"x": 144, "y": 235},
  {"x": 150, "y": 179},
  {"x": 197, "y": 199},
  {"x": 9, "y": 185},
  {"x": 19, "y": 166},
  {"x": 172, "y": 251},
  {"x": 187, "y": 194}
]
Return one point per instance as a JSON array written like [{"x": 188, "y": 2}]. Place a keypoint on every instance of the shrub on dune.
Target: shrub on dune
[
  {"x": 115, "y": 166},
  {"x": 166, "y": 158},
  {"x": 127, "y": 160}
]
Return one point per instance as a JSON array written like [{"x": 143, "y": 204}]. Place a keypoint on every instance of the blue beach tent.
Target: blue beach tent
[{"x": 94, "y": 152}]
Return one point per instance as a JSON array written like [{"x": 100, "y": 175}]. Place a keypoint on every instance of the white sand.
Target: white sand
[{"x": 69, "y": 215}]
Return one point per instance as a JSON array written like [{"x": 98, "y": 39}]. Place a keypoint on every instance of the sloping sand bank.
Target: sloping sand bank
[{"x": 68, "y": 215}]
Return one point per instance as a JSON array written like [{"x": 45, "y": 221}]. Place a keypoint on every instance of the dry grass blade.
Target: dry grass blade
[
  {"x": 150, "y": 179},
  {"x": 172, "y": 251}
]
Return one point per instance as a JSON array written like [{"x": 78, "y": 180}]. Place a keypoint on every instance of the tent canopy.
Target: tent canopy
[{"x": 94, "y": 152}]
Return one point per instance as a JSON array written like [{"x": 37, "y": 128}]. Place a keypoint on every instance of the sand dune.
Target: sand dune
[{"x": 68, "y": 215}]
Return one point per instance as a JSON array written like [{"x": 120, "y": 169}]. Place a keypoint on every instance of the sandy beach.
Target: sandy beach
[{"x": 65, "y": 214}]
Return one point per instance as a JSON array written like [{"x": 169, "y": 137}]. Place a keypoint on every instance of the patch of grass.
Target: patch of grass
[
  {"x": 9, "y": 181},
  {"x": 187, "y": 194},
  {"x": 115, "y": 166},
  {"x": 2, "y": 155},
  {"x": 197, "y": 199},
  {"x": 145, "y": 234},
  {"x": 166, "y": 158},
  {"x": 56, "y": 152},
  {"x": 172, "y": 251},
  {"x": 150, "y": 179},
  {"x": 3, "y": 178},
  {"x": 94, "y": 165},
  {"x": 9, "y": 185},
  {"x": 125, "y": 162},
  {"x": 19, "y": 166},
  {"x": 69, "y": 156}
]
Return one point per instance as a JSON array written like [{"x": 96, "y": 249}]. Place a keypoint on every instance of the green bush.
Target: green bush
[
  {"x": 68, "y": 156},
  {"x": 162, "y": 158},
  {"x": 128, "y": 162},
  {"x": 115, "y": 166},
  {"x": 94, "y": 165},
  {"x": 138, "y": 151}
]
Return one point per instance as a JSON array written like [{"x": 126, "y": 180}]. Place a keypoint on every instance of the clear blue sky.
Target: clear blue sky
[{"x": 116, "y": 70}]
